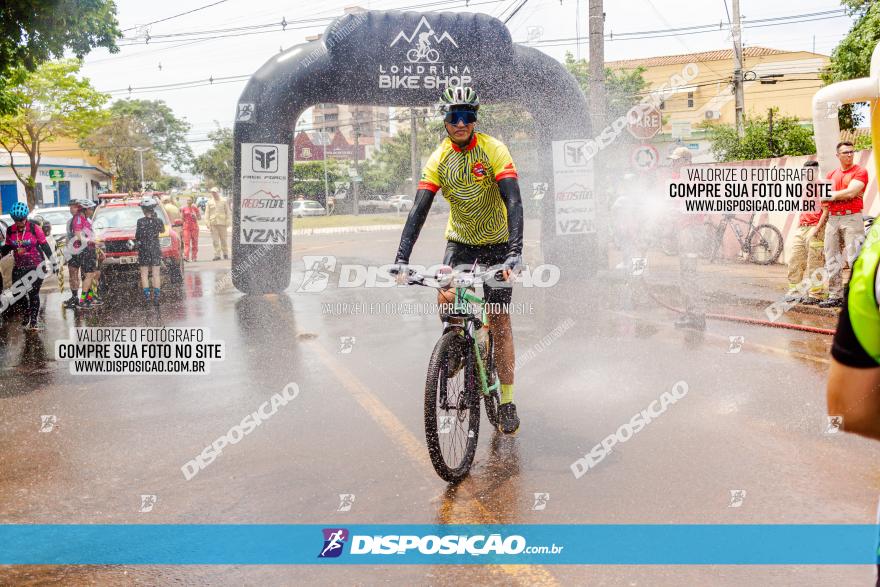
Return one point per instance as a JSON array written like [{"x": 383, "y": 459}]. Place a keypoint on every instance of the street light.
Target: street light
[{"x": 140, "y": 151}]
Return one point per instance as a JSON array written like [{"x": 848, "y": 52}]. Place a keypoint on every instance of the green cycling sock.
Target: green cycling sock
[{"x": 506, "y": 393}]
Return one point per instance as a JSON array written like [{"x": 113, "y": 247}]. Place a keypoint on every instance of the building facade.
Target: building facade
[
  {"x": 66, "y": 173},
  {"x": 786, "y": 80}
]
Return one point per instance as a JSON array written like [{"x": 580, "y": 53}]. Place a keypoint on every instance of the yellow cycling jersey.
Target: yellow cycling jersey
[{"x": 469, "y": 179}]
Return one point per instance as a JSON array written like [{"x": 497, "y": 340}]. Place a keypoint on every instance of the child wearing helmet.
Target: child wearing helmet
[
  {"x": 28, "y": 242},
  {"x": 146, "y": 238}
]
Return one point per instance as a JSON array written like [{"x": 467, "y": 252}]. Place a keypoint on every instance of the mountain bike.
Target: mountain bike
[
  {"x": 460, "y": 372},
  {"x": 760, "y": 244}
]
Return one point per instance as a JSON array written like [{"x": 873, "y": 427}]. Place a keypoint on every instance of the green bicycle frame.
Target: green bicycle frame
[{"x": 463, "y": 299}]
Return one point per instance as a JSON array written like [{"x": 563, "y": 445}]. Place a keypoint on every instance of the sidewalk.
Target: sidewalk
[{"x": 725, "y": 282}]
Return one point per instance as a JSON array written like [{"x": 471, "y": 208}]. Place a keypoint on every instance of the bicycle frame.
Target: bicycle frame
[
  {"x": 462, "y": 307},
  {"x": 721, "y": 228}
]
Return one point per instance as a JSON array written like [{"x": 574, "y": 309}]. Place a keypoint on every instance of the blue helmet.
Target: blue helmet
[{"x": 19, "y": 210}]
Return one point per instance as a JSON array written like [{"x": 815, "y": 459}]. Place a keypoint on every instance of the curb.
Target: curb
[{"x": 345, "y": 229}]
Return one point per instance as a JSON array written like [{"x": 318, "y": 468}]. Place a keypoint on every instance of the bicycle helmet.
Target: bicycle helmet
[
  {"x": 86, "y": 204},
  {"x": 19, "y": 211},
  {"x": 460, "y": 98},
  {"x": 149, "y": 202}
]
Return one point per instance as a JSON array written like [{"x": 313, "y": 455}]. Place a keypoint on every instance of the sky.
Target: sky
[{"x": 166, "y": 61}]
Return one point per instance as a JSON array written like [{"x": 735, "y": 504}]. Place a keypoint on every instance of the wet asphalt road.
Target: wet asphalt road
[{"x": 752, "y": 421}]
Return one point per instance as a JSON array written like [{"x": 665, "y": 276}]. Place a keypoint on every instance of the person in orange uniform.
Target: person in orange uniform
[{"x": 191, "y": 216}]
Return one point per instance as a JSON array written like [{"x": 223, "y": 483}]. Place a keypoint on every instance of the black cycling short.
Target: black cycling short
[
  {"x": 458, "y": 254},
  {"x": 86, "y": 260},
  {"x": 149, "y": 256}
]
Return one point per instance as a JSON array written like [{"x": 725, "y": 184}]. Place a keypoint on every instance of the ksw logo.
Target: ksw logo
[
  {"x": 264, "y": 219},
  {"x": 424, "y": 53},
  {"x": 265, "y": 158},
  {"x": 264, "y": 235}
]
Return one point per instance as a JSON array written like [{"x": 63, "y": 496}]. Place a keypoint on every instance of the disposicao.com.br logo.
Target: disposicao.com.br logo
[{"x": 334, "y": 540}]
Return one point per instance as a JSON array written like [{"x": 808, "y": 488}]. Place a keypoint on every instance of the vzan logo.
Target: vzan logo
[
  {"x": 265, "y": 158},
  {"x": 425, "y": 68}
]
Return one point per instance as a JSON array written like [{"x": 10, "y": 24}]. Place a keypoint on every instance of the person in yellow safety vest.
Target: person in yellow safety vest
[{"x": 854, "y": 380}]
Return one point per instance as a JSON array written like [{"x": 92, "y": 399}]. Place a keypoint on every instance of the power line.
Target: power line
[
  {"x": 691, "y": 30},
  {"x": 176, "y": 15},
  {"x": 512, "y": 14}
]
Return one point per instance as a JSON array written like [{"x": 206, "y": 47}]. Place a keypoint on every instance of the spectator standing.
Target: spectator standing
[
  {"x": 844, "y": 220},
  {"x": 191, "y": 216},
  {"x": 807, "y": 252},
  {"x": 218, "y": 214}
]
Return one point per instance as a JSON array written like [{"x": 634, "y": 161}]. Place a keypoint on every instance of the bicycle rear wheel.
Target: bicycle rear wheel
[
  {"x": 452, "y": 407},
  {"x": 765, "y": 244}
]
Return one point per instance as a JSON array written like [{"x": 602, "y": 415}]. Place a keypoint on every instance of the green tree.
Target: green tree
[
  {"x": 32, "y": 32},
  {"x": 851, "y": 59},
  {"x": 622, "y": 86},
  {"x": 789, "y": 138},
  {"x": 390, "y": 168},
  {"x": 167, "y": 133},
  {"x": 166, "y": 183},
  {"x": 51, "y": 102},
  {"x": 119, "y": 141},
  {"x": 216, "y": 164},
  {"x": 308, "y": 177}
]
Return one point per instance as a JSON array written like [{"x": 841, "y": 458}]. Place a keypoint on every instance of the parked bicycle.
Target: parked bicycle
[
  {"x": 461, "y": 371},
  {"x": 760, "y": 244}
]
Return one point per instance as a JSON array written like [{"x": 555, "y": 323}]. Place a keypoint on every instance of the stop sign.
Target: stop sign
[{"x": 644, "y": 121}]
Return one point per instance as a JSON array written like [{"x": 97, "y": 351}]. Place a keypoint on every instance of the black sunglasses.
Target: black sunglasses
[{"x": 457, "y": 116}]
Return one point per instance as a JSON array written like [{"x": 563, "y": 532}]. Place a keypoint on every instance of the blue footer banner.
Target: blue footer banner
[{"x": 268, "y": 544}]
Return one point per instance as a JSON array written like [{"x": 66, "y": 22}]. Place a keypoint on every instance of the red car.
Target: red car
[{"x": 115, "y": 222}]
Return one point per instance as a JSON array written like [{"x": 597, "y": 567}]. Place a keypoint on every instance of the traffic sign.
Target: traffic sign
[
  {"x": 56, "y": 174},
  {"x": 645, "y": 157},
  {"x": 644, "y": 121}
]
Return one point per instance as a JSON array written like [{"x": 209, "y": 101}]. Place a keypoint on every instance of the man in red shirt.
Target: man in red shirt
[
  {"x": 807, "y": 253},
  {"x": 844, "y": 220}
]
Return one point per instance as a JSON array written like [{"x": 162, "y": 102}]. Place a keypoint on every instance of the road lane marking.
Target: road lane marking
[{"x": 416, "y": 451}]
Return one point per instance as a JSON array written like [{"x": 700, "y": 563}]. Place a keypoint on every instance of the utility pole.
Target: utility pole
[
  {"x": 325, "y": 140},
  {"x": 739, "y": 97},
  {"x": 355, "y": 187},
  {"x": 414, "y": 149},
  {"x": 597, "y": 66},
  {"x": 140, "y": 151}
]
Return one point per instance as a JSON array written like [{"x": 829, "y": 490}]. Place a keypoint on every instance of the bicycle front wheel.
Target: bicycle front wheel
[
  {"x": 765, "y": 244},
  {"x": 452, "y": 407}
]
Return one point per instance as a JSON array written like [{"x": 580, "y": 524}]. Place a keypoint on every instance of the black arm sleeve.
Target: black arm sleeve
[
  {"x": 414, "y": 223},
  {"x": 846, "y": 348},
  {"x": 5, "y": 249},
  {"x": 509, "y": 188},
  {"x": 47, "y": 250}
]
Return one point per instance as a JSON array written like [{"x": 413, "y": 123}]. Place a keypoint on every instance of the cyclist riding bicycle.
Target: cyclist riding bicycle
[{"x": 479, "y": 180}]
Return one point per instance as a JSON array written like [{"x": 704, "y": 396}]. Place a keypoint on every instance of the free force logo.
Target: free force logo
[
  {"x": 424, "y": 52},
  {"x": 264, "y": 159},
  {"x": 334, "y": 540}
]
